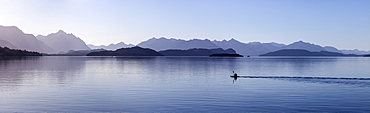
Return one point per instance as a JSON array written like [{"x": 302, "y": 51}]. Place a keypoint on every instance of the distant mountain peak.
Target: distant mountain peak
[
  {"x": 302, "y": 42},
  {"x": 234, "y": 40},
  {"x": 11, "y": 29},
  {"x": 63, "y": 42},
  {"x": 304, "y": 45},
  {"x": 121, "y": 43},
  {"x": 61, "y": 32},
  {"x": 21, "y": 40}
]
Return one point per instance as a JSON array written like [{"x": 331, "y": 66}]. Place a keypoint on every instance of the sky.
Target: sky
[{"x": 344, "y": 24}]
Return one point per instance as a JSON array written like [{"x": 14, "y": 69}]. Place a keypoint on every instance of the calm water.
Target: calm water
[{"x": 184, "y": 84}]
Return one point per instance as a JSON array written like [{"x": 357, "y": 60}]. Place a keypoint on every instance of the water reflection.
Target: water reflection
[
  {"x": 169, "y": 84},
  {"x": 235, "y": 78},
  {"x": 35, "y": 70}
]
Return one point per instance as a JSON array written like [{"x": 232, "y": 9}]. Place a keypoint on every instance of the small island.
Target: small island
[
  {"x": 301, "y": 52},
  {"x": 5, "y": 51},
  {"x": 226, "y": 55}
]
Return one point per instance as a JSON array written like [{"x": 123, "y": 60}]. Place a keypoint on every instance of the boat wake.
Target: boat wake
[
  {"x": 291, "y": 77},
  {"x": 360, "y": 82}
]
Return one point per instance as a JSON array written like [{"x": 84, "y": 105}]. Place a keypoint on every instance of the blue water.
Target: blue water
[{"x": 184, "y": 84}]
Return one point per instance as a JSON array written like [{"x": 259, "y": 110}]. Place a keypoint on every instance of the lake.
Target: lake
[{"x": 184, "y": 84}]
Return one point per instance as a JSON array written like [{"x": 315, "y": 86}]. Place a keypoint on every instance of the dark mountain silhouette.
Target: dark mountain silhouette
[
  {"x": 111, "y": 46},
  {"x": 77, "y": 52},
  {"x": 226, "y": 55},
  {"x": 301, "y": 52},
  {"x": 305, "y": 46},
  {"x": 5, "y": 51},
  {"x": 222, "y": 51},
  {"x": 4, "y": 43},
  {"x": 63, "y": 42},
  {"x": 367, "y": 55},
  {"x": 165, "y": 44},
  {"x": 23, "y": 41},
  {"x": 196, "y": 52},
  {"x": 133, "y": 51}
]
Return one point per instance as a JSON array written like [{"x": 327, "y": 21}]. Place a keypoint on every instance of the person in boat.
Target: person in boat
[{"x": 235, "y": 74}]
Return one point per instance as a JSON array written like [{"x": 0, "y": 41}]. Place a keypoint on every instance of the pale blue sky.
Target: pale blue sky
[{"x": 344, "y": 24}]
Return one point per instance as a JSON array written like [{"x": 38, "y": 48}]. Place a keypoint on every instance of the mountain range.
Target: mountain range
[
  {"x": 111, "y": 46},
  {"x": 62, "y": 42},
  {"x": 14, "y": 38},
  {"x": 246, "y": 49},
  {"x": 161, "y": 44}
]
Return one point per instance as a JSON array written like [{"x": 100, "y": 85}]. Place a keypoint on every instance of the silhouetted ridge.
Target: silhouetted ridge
[
  {"x": 196, "y": 52},
  {"x": 133, "y": 51},
  {"x": 226, "y": 55},
  {"x": 77, "y": 52},
  {"x": 301, "y": 52},
  {"x": 11, "y": 52}
]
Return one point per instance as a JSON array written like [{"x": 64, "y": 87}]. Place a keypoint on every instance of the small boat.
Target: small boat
[{"x": 235, "y": 75}]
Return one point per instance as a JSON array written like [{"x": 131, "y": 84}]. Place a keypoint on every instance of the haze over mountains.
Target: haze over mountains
[
  {"x": 7, "y": 44},
  {"x": 111, "y": 46},
  {"x": 62, "y": 42},
  {"x": 20, "y": 40},
  {"x": 252, "y": 48},
  {"x": 14, "y": 38},
  {"x": 161, "y": 44}
]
